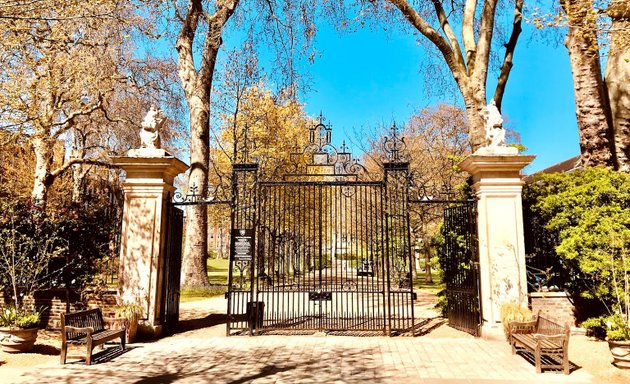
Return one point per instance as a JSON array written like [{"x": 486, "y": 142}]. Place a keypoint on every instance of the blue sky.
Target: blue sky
[{"x": 366, "y": 78}]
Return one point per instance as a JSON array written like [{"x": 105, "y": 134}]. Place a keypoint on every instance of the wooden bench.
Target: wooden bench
[
  {"x": 542, "y": 337},
  {"x": 88, "y": 327}
]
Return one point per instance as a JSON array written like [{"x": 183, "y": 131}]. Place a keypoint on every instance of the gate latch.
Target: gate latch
[{"x": 320, "y": 296}]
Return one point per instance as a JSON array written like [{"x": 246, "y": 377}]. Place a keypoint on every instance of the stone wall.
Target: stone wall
[
  {"x": 60, "y": 300},
  {"x": 553, "y": 305}
]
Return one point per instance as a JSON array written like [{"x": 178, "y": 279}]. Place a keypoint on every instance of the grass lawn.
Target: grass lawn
[
  {"x": 218, "y": 271},
  {"x": 420, "y": 282},
  {"x": 218, "y": 279}
]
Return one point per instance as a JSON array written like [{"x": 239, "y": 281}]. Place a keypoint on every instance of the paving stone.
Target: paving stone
[{"x": 202, "y": 356}]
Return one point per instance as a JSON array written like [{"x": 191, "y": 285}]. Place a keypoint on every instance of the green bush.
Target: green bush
[
  {"x": 20, "y": 317},
  {"x": 587, "y": 212},
  {"x": 613, "y": 327}
]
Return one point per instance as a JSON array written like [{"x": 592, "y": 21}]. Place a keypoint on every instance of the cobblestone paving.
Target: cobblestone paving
[{"x": 205, "y": 356}]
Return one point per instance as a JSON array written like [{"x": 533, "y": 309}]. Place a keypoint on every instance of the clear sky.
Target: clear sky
[{"x": 367, "y": 78}]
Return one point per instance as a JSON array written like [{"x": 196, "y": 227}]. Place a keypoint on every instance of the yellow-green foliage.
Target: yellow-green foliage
[
  {"x": 19, "y": 317},
  {"x": 128, "y": 311},
  {"x": 512, "y": 311},
  {"x": 588, "y": 212}
]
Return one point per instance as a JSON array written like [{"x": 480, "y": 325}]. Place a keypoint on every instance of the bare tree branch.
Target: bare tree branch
[{"x": 510, "y": 47}]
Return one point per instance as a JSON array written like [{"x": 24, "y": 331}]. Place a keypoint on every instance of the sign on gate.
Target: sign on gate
[{"x": 242, "y": 244}]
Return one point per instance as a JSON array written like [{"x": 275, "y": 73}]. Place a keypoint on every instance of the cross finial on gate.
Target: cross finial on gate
[{"x": 394, "y": 146}]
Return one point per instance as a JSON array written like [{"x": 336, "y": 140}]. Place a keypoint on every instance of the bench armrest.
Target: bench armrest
[
  {"x": 522, "y": 327},
  {"x": 86, "y": 330}
]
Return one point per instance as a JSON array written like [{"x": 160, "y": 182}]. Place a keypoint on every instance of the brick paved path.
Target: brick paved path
[
  {"x": 309, "y": 359},
  {"x": 206, "y": 356}
]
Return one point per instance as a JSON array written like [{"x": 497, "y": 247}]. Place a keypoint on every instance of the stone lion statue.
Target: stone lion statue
[
  {"x": 495, "y": 134},
  {"x": 150, "y": 132}
]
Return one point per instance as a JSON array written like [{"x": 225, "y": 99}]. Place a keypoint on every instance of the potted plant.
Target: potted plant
[
  {"x": 18, "y": 329},
  {"x": 615, "y": 328},
  {"x": 25, "y": 255},
  {"x": 132, "y": 313}
]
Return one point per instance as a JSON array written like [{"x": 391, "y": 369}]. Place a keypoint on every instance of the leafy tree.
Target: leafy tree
[
  {"x": 588, "y": 213},
  {"x": 438, "y": 140}
]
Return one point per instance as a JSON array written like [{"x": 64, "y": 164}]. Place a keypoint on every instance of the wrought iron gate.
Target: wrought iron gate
[
  {"x": 321, "y": 256},
  {"x": 322, "y": 250},
  {"x": 172, "y": 268},
  {"x": 460, "y": 260}
]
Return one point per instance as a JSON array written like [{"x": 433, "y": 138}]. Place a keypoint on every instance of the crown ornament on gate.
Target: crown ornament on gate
[
  {"x": 395, "y": 147},
  {"x": 320, "y": 157}
]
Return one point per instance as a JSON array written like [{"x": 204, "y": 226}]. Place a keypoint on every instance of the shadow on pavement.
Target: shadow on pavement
[
  {"x": 234, "y": 363},
  {"x": 104, "y": 356},
  {"x": 208, "y": 321},
  {"x": 44, "y": 349},
  {"x": 529, "y": 357}
]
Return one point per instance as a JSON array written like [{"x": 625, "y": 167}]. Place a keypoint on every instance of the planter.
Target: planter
[
  {"x": 16, "y": 340},
  {"x": 132, "y": 330},
  {"x": 130, "y": 325},
  {"x": 620, "y": 351}
]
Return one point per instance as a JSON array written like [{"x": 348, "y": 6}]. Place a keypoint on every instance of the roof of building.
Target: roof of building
[{"x": 568, "y": 165}]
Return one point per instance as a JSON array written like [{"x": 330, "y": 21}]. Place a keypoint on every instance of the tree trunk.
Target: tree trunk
[
  {"x": 475, "y": 102},
  {"x": 194, "y": 267},
  {"x": 43, "y": 159},
  {"x": 427, "y": 263},
  {"x": 197, "y": 85},
  {"x": 617, "y": 80},
  {"x": 590, "y": 97}
]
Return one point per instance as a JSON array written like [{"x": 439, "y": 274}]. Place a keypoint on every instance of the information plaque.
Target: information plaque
[{"x": 242, "y": 244}]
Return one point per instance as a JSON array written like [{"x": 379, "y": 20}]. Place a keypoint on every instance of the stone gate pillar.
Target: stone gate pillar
[
  {"x": 150, "y": 175},
  {"x": 498, "y": 186}
]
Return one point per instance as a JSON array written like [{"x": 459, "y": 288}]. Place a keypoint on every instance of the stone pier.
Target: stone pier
[
  {"x": 498, "y": 186},
  {"x": 150, "y": 175}
]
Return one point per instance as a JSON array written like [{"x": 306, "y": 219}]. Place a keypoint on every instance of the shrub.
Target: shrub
[
  {"x": 14, "y": 316},
  {"x": 587, "y": 213},
  {"x": 613, "y": 327}
]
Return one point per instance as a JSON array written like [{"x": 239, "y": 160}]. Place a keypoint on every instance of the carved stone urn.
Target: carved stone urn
[
  {"x": 16, "y": 340},
  {"x": 620, "y": 351}
]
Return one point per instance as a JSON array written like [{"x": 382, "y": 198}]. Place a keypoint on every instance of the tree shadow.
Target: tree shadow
[
  {"x": 264, "y": 372},
  {"x": 210, "y": 320},
  {"x": 231, "y": 363}
]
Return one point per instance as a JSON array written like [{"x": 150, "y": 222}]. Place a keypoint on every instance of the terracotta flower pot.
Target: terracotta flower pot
[
  {"x": 620, "y": 351},
  {"x": 16, "y": 340}
]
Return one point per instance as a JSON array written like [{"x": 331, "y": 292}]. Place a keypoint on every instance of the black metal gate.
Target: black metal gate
[
  {"x": 322, "y": 250},
  {"x": 321, "y": 256},
  {"x": 172, "y": 268},
  {"x": 460, "y": 264}
]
